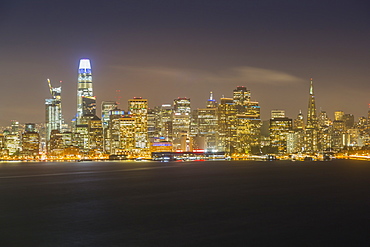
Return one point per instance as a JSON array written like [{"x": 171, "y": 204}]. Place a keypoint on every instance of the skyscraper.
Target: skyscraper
[
  {"x": 299, "y": 121},
  {"x": 311, "y": 135},
  {"x": 280, "y": 127},
  {"x": 181, "y": 118},
  {"x": 311, "y": 113},
  {"x": 138, "y": 108},
  {"x": 164, "y": 123},
  {"x": 106, "y": 108},
  {"x": 86, "y": 102},
  {"x": 53, "y": 110},
  {"x": 204, "y": 126},
  {"x": 239, "y": 123}
]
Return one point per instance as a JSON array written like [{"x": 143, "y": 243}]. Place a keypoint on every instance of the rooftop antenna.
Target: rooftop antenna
[{"x": 211, "y": 96}]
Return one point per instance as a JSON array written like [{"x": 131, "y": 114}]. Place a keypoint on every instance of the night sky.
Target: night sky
[{"x": 164, "y": 49}]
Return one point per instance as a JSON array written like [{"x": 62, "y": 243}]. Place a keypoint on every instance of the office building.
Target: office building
[
  {"x": 138, "y": 108},
  {"x": 181, "y": 119},
  {"x": 280, "y": 127}
]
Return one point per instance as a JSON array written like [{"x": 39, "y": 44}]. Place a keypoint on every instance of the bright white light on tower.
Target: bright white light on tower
[{"x": 85, "y": 64}]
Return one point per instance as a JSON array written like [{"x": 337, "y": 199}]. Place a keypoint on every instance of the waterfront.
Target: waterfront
[{"x": 185, "y": 203}]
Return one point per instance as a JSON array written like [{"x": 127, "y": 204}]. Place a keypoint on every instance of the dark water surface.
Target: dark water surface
[{"x": 241, "y": 203}]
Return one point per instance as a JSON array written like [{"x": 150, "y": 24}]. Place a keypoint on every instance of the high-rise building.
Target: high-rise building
[
  {"x": 12, "y": 139},
  {"x": 311, "y": 135},
  {"x": 164, "y": 122},
  {"x": 30, "y": 141},
  {"x": 241, "y": 96},
  {"x": 325, "y": 130},
  {"x": 239, "y": 123},
  {"x": 349, "y": 120},
  {"x": 112, "y": 143},
  {"x": 53, "y": 110},
  {"x": 279, "y": 130},
  {"x": 106, "y": 109},
  {"x": 129, "y": 134},
  {"x": 248, "y": 122},
  {"x": 15, "y": 127},
  {"x": 12, "y": 143},
  {"x": 299, "y": 121},
  {"x": 296, "y": 140},
  {"x": 181, "y": 119},
  {"x": 227, "y": 125},
  {"x": 205, "y": 126},
  {"x": 86, "y": 102},
  {"x": 362, "y": 125},
  {"x": 95, "y": 135},
  {"x": 152, "y": 124},
  {"x": 123, "y": 128},
  {"x": 323, "y": 119},
  {"x": 337, "y": 135},
  {"x": 3, "y": 151},
  {"x": 138, "y": 108},
  {"x": 353, "y": 138},
  {"x": 338, "y": 115},
  {"x": 311, "y": 113},
  {"x": 211, "y": 102}
]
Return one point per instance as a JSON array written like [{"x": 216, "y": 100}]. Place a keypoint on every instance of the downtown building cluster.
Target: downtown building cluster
[{"x": 231, "y": 128}]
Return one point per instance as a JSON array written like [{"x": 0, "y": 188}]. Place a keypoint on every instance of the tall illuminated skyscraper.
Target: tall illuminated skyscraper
[
  {"x": 86, "y": 102},
  {"x": 311, "y": 142},
  {"x": 53, "y": 110},
  {"x": 311, "y": 114}
]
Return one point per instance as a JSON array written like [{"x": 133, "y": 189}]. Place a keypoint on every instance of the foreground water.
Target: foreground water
[{"x": 240, "y": 203}]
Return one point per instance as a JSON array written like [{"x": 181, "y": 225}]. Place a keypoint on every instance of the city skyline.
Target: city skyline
[
  {"x": 230, "y": 129},
  {"x": 161, "y": 51}
]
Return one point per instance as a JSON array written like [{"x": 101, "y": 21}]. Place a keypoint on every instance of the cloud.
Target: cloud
[
  {"x": 236, "y": 75},
  {"x": 258, "y": 75}
]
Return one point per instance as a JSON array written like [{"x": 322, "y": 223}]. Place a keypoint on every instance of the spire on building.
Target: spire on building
[
  {"x": 311, "y": 87},
  {"x": 211, "y": 103}
]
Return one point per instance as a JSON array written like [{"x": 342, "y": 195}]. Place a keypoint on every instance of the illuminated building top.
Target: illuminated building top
[
  {"x": 85, "y": 66},
  {"x": 84, "y": 72}
]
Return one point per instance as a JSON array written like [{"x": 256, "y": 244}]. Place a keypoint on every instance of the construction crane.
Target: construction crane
[
  {"x": 55, "y": 92},
  {"x": 50, "y": 87}
]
